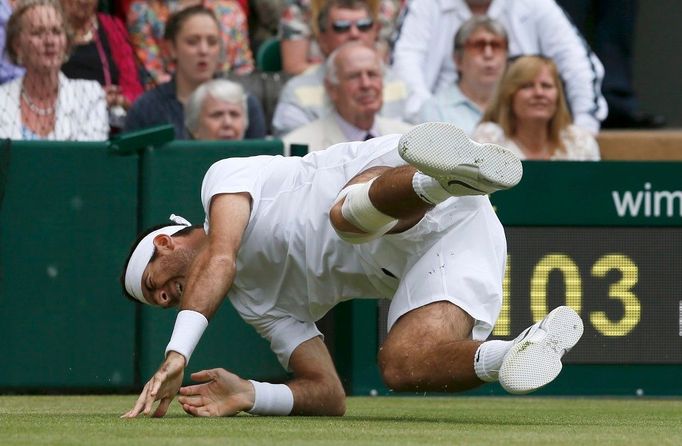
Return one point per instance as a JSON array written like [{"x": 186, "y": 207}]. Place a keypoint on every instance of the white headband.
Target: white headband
[{"x": 143, "y": 253}]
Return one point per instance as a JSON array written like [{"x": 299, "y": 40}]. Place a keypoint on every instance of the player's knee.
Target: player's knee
[
  {"x": 335, "y": 401},
  {"x": 396, "y": 371}
]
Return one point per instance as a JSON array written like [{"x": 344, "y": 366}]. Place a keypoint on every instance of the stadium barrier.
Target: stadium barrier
[
  {"x": 601, "y": 237},
  {"x": 69, "y": 214}
]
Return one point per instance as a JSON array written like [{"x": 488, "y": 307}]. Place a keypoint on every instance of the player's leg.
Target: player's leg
[
  {"x": 383, "y": 200},
  {"x": 430, "y": 349}
]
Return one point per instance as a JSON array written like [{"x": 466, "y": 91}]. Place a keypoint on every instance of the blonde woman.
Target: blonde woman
[
  {"x": 44, "y": 104},
  {"x": 529, "y": 115}
]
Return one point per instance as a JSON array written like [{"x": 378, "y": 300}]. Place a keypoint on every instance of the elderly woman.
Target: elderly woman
[
  {"x": 44, "y": 103},
  {"x": 194, "y": 39},
  {"x": 529, "y": 115},
  {"x": 102, "y": 52},
  {"x": 217, "y": 110}
]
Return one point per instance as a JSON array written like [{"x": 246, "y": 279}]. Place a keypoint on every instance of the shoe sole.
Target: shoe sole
[
  {"x": 444, "y": 152},
  {"x": 536, "y": 360}
]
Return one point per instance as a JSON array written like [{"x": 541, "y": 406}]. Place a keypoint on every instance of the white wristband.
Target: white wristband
[
  {"x": 189, "y": 326},
  {"x": 271, "y": 399}
]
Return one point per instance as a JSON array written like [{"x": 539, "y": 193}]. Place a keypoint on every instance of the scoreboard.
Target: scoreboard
[{"x": 606, "y": 239}]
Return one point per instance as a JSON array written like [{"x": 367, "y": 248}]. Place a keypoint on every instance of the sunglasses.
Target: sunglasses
[
  {"x": 480, "y": 45},
  {"x": 343, "y": 26}
]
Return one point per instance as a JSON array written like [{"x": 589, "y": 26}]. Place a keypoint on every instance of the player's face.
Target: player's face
[
  {"x": 536, "y": 99},
  {"x": 482, "y": 59},
  {"x": 345, "y": 25},
  {"x": 197, "y": 49},
  {"x": 164, "y": 279},
  {"x": 360, "y": 88}
]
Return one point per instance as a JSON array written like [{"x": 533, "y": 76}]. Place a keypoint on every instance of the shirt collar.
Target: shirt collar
[{"x": 353, "y": 133}]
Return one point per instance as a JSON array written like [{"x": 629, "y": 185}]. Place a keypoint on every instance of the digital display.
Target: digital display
[{"x": 626, "y": 284}]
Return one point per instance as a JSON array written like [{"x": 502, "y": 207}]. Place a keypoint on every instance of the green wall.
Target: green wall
[{"x": 69, "y": 212}]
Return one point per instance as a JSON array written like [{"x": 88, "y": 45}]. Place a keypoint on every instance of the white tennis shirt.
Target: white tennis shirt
[{"x": 292, "y": 267}]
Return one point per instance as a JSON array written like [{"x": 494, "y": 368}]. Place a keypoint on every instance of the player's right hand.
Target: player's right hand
[
  {"x": 221, "y": 394},
  {"x": 163, "y": 387}
]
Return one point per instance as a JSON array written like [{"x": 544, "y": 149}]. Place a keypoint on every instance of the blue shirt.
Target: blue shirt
[
  {"x": 450, "y": 105},
  {"x": 8, "y": 70},
  {"x": 161, "y": 106}
]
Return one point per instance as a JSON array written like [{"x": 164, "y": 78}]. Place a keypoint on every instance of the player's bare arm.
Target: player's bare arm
[
  {"x": 210, "y": 277},
  {"x": 213, "y": 271},
  {"x": 316, "y": 387}
]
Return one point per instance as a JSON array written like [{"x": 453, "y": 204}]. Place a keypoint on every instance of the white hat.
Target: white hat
[{"x": 143, "y": 252}]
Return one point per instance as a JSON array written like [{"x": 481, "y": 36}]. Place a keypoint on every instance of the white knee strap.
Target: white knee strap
[{"x": 358, "y": 210}]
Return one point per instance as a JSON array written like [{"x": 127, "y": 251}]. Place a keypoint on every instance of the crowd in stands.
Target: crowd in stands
[{"x": 513, "y": 72}]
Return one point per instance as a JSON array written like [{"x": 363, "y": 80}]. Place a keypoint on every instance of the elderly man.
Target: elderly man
[
  {"x": 422, "y": 55},
  {"x": 404, "y": 218},
  {"x": 303, "y": 98},
  {"x": 480, "y": 55},
  {"x": 354, "y": 85}
]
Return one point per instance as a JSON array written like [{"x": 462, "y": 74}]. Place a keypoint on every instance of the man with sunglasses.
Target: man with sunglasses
[
  {"x": 303, "y": 98},
  {"x": 480, "y": 55},
  {"x": 422, "y": 54}
]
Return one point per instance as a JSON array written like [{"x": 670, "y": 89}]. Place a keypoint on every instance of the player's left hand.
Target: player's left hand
[
  {"x": 222, "y": 394},
  {"x": 163, "y": 386}
]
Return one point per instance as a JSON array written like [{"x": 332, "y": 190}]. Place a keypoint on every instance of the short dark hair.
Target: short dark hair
[
  {"x": 323, "y": 13},
  {"x": 176, "y": 21},
  {"x": 181, "y": 233}
]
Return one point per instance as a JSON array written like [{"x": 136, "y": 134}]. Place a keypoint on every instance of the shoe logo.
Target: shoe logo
[{"x": 461, "y": 183}]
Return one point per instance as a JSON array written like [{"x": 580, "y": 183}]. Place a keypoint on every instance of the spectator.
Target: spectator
[
  {"x": 422, "y": 52},
  {"x": 193, "y": 36},
  {"x": 612, "y": 34},
  {"x": 8, "y": 70},
  {"x": 101, "y": 52},
  {"x": 217, "y": 110},
  {"x": 146, "y": 23},
  {"x": 264, "y": 18},
  {"x": 297, "y": 31},
  {"x": 354, "y": 83},
  {"x": 480, "y": 55},
  {"x": 43, "y": 103},
  {"x": 529, "y": 115},
  {"x": 303, "y": 98}
]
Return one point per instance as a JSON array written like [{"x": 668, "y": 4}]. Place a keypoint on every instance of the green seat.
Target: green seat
[{"x": 269, "y": 56}]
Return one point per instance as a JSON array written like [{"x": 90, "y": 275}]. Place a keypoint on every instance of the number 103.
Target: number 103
[{"x": 557, "y": 262}]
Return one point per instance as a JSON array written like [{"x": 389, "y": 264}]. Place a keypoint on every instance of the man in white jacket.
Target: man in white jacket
[{"x": 422, "y": 55}]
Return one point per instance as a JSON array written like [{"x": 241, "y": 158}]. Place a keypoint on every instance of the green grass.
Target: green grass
[{"x": 93, "y": 420}]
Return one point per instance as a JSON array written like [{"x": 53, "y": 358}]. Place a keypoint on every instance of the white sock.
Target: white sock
[
  {"x": 488, "y": 359},
  {"x": 428, "y": 189}
]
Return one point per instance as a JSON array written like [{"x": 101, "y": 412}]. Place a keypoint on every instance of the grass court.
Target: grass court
[{"x": 447, "y": 420}]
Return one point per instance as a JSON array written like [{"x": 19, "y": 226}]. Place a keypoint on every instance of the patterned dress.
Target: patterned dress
[{"x": 146, "y": 25}]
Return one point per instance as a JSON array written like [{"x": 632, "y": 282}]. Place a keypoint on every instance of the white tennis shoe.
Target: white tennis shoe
[
  {"x": 535, "y": 358},
  {"x": 462, "y": 166}
]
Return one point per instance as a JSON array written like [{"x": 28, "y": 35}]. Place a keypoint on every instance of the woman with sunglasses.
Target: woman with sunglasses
[
  {"x": 298, "y": 26},
  {"x": 480, "y": 55},
  {"x": 529, "y": 116}
]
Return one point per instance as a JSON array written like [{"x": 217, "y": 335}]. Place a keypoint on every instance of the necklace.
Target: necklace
[{"x": 40, "y": 111}]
